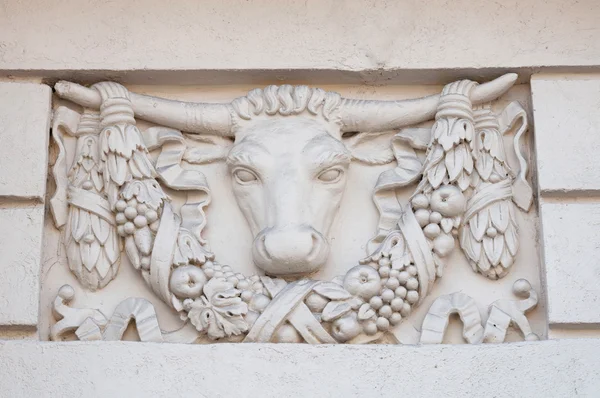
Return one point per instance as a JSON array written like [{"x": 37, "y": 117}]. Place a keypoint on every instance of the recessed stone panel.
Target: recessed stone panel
[{"x": 297, "y": 214}]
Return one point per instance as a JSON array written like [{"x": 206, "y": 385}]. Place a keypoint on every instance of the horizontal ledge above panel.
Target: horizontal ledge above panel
[{"x": 315, "y": 76}]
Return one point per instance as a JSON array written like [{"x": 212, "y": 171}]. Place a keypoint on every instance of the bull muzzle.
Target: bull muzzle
[{"x": 292, "y": 251}]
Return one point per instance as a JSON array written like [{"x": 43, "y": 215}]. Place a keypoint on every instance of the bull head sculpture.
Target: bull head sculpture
[{"x": 289, "y": 157}]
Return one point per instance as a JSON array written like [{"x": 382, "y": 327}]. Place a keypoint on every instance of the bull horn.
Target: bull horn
[
  {"x": 375, "y": 116},
  {"x": 192, "y": 117}
]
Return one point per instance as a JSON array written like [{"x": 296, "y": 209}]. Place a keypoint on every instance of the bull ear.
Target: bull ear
[
  {"x": 207, "y": 149},
  {"x": 370, "y": 148}
]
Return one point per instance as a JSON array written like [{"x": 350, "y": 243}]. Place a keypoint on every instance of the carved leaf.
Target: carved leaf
[
  {"x": 454, "y": 161},
  {"x": 493, "y": 248},
  {"x": 500, "y": 215},
  {"x": 511, "y": 238},
  {"x": 132, "y": 252},
  {"x": 101, "y": 228},
  {"x": 143, "y": 163},
  {"x": 500, "y": 169},
  {"x": 439, "y": 128},
  {"x": 365, "y": 312},
  {"x": 436, "y": 175},
  {"x": 332, "y": 291},
  {"x": 468, "y": 163},
  {"x": 135, "y": 171},
  {"x": 233, "y": 325},
  {"x": 484, "y": 264},
  {"x": 103, "y": 265},
  {"x": 467, "y": 243},
  {"x": 479, "y": 224},
  {"x": 74, "y": 257},
  {"x": 507, "y": 259},
  {"x": 81, "y": 221},
  {"x": 489, "y": 140},
  {"x": 464, "y": 180},
  {"x": 89, "y": 253},
  {"x": 334, "y": 310},
  {"x": 484, "y": 165},
  {"x": 112, "y": 246},
  {"x": 117, "y": 168},
  {"x": 475, "y": 179},
  {"x": 447, "y": 224},
  {"x": 144, "y": 239}
]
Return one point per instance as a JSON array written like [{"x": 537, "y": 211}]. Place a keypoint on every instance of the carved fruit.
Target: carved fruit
[
  {"x": 420, "y": 201},
  {"x": 259, "y": 302},
  {"x": 435, "y": 217},
  {"x": 287, "y": 334},
  {"x": 187, "y": 282},
  {"x": 362, "y": 281},
  {"x": 448, "y": 200},
  {"x": 346, "y": 328},
  {"x": 251, "y": 317},
  {"x": 316, "y": 303},
  {"x": 422, "y": 216},
  {"x": 431, "y": 231},
  {"x": 443, "y": 245},
  {"x": 370, "y": 328}
]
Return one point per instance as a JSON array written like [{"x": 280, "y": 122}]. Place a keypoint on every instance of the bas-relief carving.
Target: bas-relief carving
[{"x": 288, "y": 150}]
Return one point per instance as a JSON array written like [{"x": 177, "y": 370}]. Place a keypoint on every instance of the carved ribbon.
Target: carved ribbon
[
  {"x": 288, "y": 304},
  {"x": 407, "y": 171},
  {"x": 168, "y": 167},
  {"x": 65, "y": 120},
  {"x": 91, "y": 202},
  {"x": 486, "y": 196},
  {"x": 420, "y": 250},
  {"x": 522, "y": 191}
]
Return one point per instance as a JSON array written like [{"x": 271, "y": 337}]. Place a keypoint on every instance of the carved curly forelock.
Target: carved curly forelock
[
  {"x": 273, "y": 105},
  {"x": 256, "y": 99},
  {"x": 287, "y": 100},
  {"x": 301, "y": 95}
]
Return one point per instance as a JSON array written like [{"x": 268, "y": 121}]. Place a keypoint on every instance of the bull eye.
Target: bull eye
[
  {"x": 243, "y": 176},
  {"x": 330, "y": 175}
]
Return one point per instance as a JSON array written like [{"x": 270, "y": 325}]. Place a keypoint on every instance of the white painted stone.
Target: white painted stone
[
  {"x": 21, "y": 230},
  {"x": 265, "y": 194},
  {"x": 559, "y": 368},
  {"x": 359, "y": 40},
  {"x": 571, "y": 252},
  {"x": 567, "y": 130},
  {"x": 24, "y": 132}
]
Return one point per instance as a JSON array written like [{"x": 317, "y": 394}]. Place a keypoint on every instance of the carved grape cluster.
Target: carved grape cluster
[
  {"x": 398, "y": 293},
  {"x": 132, "y": 215}
]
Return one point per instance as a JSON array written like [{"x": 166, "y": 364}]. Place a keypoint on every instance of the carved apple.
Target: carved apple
[
  {"x": 362, "y": 281},
  {"x": 346, "y": 328},
  {"x": 448, "y": 200},
  {"x": 187, "y": 282}
]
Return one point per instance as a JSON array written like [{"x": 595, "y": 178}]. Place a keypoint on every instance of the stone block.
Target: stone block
[
  {"x": 567, "y": 132},
  {"x": 357, "y": 40},
  {"x": 558, "y": 368},
  {"x": 21, "y": 230},
  {"x": 24, "y": 131},
  {"x": 571, "y": 251}
]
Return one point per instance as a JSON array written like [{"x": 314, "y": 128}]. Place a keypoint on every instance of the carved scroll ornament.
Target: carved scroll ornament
[{"x": 287, "y": 140}]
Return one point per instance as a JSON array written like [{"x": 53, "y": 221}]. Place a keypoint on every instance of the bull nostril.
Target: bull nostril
[
  {"x": 261, "y": 246},
  {"x": 314, "y": 249}
]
